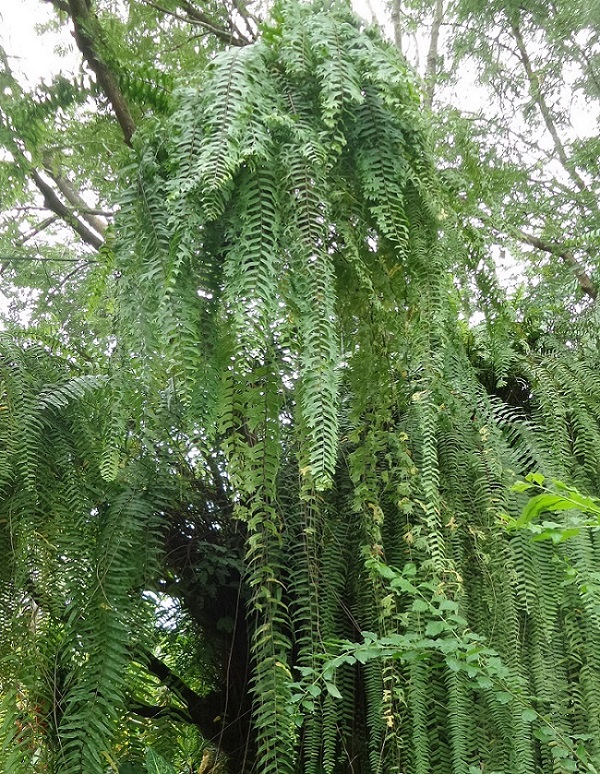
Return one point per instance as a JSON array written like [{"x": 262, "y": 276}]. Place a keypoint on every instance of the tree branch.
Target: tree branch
[
  {"x": 37, "y": 230},
  {"x": 202, "y": 710},
  {"x": 202, "y": 18},
  {"x": 88, "y": 210},
  {"x": 540, "y": 101},
  {"x": 199, "y": 19},
  {"x": 58, "y": 207},
  {"x": 75, "y": 199},
  {"x": 587, "y": 285},
  {"x": 87, "y": 33},
  {"x": 431, "y": 67},
  {"x": 61, "y": 5},
  {"x": 149, "y": 711},
  {"x": 247, "y": 17},
  {"x": 396, "y": 12},
  {"x": 36, "y": 259}
]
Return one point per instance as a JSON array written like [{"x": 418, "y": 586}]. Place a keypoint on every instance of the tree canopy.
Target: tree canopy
[{"x": 266, "y": 389}]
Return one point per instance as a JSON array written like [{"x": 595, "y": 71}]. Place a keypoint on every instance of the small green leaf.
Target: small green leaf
[
  {"x": 434, "y": 628},
  {"x": 536, "y": 478},
  {"x": 570, "y": 765},
  {"x": 156, "y": 764},
  {"x": 385, "y": 571},
  {"x": 448, "y": 604},
  {"x": 333, "y": 690},
  {"x": 539, "y": 504},
  {"x": 544, "y": 734},
  {"x": 521, "y": 486},
  {"x": 404, "y": 585},
  {"x": 560, "y": 752}
]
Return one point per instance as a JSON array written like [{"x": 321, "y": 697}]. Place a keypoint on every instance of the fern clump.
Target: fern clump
[
  {"x": 297, "y": 412},
  {"x": 297, "y": 246}
]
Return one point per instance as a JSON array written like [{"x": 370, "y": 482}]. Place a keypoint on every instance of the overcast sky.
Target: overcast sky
[
  {"x": 29, "y": 57},
  {"x": 33, "y": 57},
  {"x": 33, "y": 60}
]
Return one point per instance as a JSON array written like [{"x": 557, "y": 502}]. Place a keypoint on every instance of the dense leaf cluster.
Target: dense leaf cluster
[{"x": 275, "y": 511}]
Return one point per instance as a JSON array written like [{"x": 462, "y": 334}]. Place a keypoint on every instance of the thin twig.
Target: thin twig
[
  {"x": 37, "y": 259},
  {"x": 199, "y": 20}
]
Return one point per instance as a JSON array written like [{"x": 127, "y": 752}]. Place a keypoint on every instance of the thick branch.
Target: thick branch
[
  {"x": 247, "y": 18},
  {"x": 202, "y": 710},
  {"x": 396, "y": 12},
  {"x": 74, "y": 198},
  {"x": 61, "y": 5},
  {"x": 148, "y": 711},
  {"x": 59, "y": 208},
  {"x": 87, "y": 33},
  {"x": 166, "y": 675},
  {"x": 433, "y": 53},
  {"x": 586, "y": 283}
]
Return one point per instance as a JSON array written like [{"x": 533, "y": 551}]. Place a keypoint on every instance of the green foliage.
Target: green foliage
[
  {"x": 290, "y": 410},
  {"x": 296, "y": 191},
  {"x": 297, "y": 188},
  {"x": 555, "y": 497},
  {"x": 72, "y": 580},
  {"x": 156, "y": 764}
]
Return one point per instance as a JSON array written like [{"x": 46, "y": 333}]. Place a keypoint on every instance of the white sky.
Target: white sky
[
  {"x": 34, "y": 58},
  {"x": 31, "y": 59}
]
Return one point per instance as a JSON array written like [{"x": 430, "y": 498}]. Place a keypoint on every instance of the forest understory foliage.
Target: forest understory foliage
[{"x": 259, "y": 441}]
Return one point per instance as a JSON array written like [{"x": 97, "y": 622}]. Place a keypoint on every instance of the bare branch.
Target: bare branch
[
  {"x": 88, "y": 210},
  {"x": 53, "y": 203},
  {"x": 37, "y": 259},
  {"x": 396, "y": 12},
  {"x": 75, "y": 199},
  {"x": 81, "y": 265},
  {"x": 247, "y": 17},
  {"x": 38, "y": 229},
  {"x": 587, "y": 285},
  {"x": 200, "y": 19}
]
